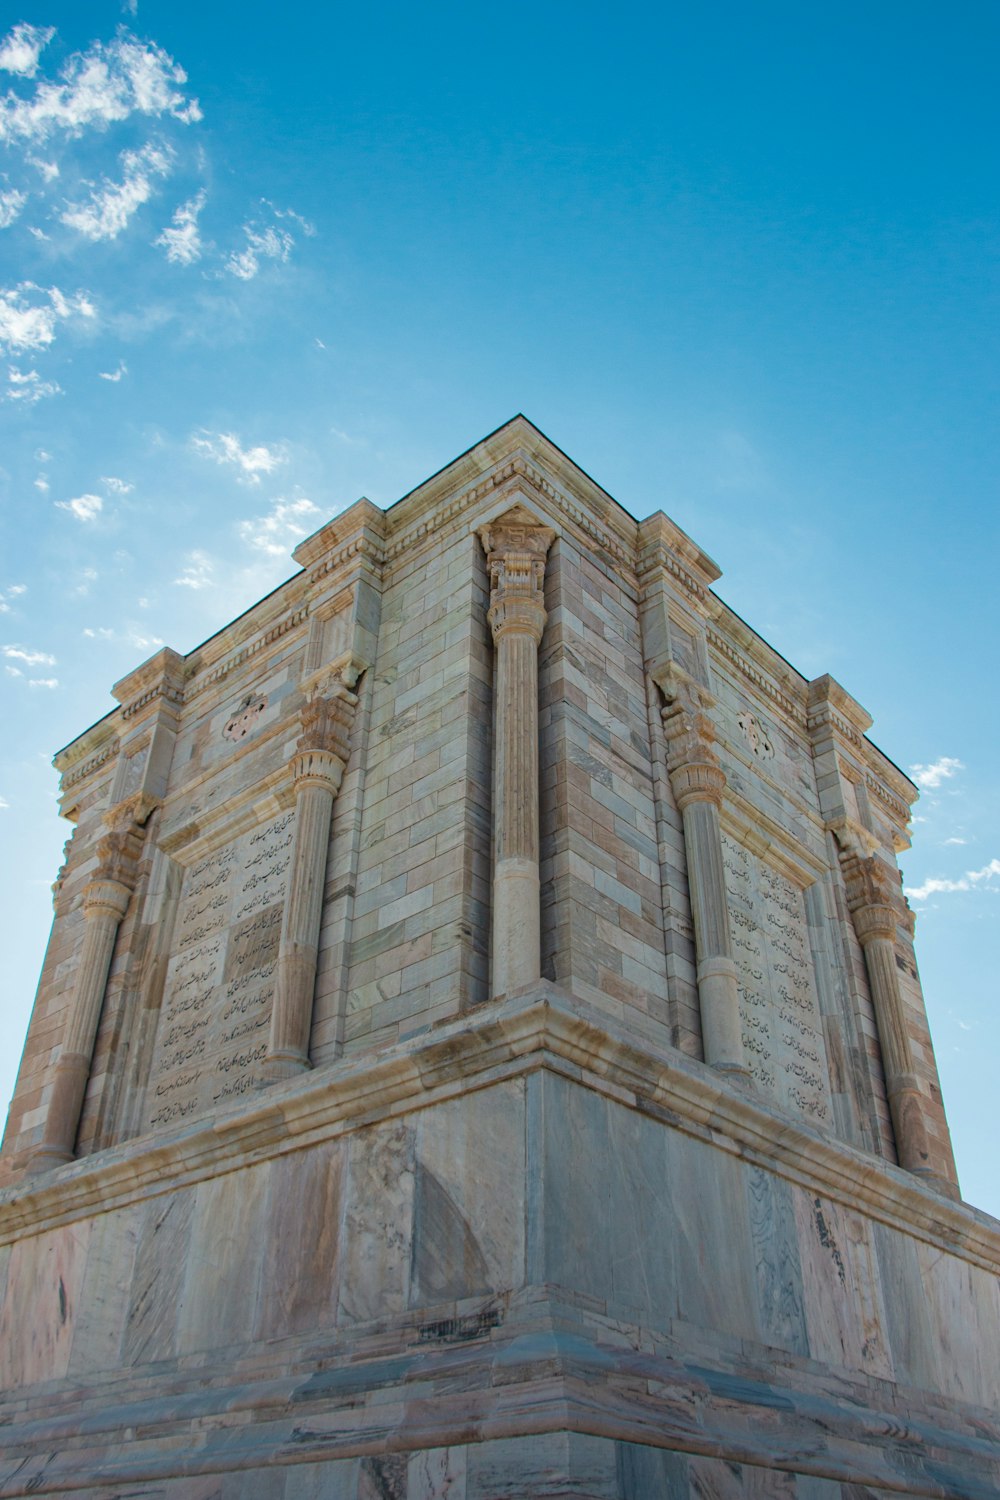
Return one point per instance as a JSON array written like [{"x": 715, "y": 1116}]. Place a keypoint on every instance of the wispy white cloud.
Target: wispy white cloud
[
  {"x": 29, "y": 657},
  {"x": 41, "y": 483},
  {"x": 30, "y": 314},
  {"x": 182, "y": 238},
  {"x": 956, "y": 841},
  {"x": 930, "y": 777},
  {"x": 47, "y": 170},
  {"x": 4, "y": 804},
  {"x": 114, "y": 375},
  {"x": 113, "y": 204},
  {"x": 28, "y": 387},
  {"x": 22, "y": 47},
  {"x": 265, "y": 239},
  {"x": 972, "y": 879},
  {"x": 85, "y": 579},
  {"x": 117, "y": 486},
  {"x": 133, "y": 637},
  {"x": 285, "y": 524},
  {"x": 268, "y": 244},
  {"x": 11, "y": 203},
  {"x": 197, "y": 572},
  {"x": 104, "y": 84},
  {"x": 250, "y": 463},
  {"x": 43, "y": 682},
  {"x": 13, "y": 591},
  {"x": 84, "y": 507}
]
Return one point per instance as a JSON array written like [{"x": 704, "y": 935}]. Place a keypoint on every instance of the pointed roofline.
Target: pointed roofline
[{"x": 511, "y": 422}]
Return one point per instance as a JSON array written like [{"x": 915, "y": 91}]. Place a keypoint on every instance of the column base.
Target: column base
[
  {"x": 284, "y": 1065},
  {"x": 46, "y": 1159}
]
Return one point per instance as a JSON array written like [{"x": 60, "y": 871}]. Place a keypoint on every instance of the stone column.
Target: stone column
[
  {"x": 105, "y": 902},
  {"x": 873, "y": 899},
  {"x": 698, "y": 782},
  {"x": 516, "y": 547},
  {"x": 317, "y": 771}
]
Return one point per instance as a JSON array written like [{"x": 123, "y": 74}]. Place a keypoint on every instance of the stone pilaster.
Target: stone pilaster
[
  {"x": 516, "y": 547},
  {"x": 105, "y": 903},
  {"x": 317, "y": 771},
  {"x": 698, "y": 782},
  {"x": 874, "y": 900}
]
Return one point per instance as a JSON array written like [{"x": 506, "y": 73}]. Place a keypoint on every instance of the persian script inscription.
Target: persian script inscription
[
  {"x": 782, "y": 1033},
  {"x": 212, "y": 1035}
]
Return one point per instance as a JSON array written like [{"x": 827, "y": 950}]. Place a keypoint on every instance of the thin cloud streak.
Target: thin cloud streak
[
  {"x": 225, "y": 448},
  {"x": 113, "y": 204},
  {"x": 84, "y": 507},
  {"x": 972, "y": 879},
  {"x": 285, "y": 524},
  {"x": 181, "y": 239},
  {"x": 928, "y": 778}
]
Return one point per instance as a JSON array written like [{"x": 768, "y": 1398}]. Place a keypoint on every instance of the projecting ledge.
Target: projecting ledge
[{"x": 543, "y": 1027}]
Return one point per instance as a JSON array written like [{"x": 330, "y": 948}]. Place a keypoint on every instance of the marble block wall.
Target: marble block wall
[{"x": 442, "y": 1087}]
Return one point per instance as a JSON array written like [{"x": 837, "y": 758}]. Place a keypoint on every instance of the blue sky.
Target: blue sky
[{"x": 738, "y": 261}]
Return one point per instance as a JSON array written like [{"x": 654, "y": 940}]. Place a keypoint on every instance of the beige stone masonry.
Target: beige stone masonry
[{"x": 516, "y": 547}]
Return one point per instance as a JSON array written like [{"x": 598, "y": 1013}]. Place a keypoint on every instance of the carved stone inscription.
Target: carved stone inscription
[
  {"x": 212, "y": 1035},
  {"x": 782, "y": 1032}
]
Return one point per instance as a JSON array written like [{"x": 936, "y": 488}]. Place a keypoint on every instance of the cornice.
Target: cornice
[
  {"x": 896, "y": 805},
  {"x": 545, "y": 1028},
  {"x": 200, "y": 681},
  {"x": 424, "y": 513},
  {"x": 658, "y": 556},
  {"x": 93, "y": 753},
  {"x": 757, "y": 672}
]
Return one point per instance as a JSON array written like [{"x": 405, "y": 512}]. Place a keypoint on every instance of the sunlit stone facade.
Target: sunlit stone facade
[{"x": 480, "y": 1051}]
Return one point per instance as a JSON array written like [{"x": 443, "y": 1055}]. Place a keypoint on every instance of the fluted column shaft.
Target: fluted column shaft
[
  {"x": 698, "y": 782},
  {"x": 317, "y": 771},
  {"x": 516, "y": 547},
  {"x": 516, "y": 886},
  {"x": 105, "y": 902},
  {"x": 875, "y": 925}
]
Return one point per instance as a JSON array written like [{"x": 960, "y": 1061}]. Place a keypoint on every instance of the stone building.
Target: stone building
[{"x": 480, "y": 1051}]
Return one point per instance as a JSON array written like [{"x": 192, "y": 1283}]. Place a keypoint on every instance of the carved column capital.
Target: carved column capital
[
  {"x": 873, "y": 896},
  {"x": 516, "y": 547},
  {"x": 107, "y": 897},
  {"x": 118, "y": 854},
  {"x": 693, "y": 766},
  {"x": 698, "y": 781},
  {"x": 323, "y": 747}
]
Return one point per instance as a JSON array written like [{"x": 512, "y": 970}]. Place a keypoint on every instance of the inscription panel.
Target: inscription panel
[
  {"x": 212, "y": 1034},
  {"x": 779, "y": 1010}
]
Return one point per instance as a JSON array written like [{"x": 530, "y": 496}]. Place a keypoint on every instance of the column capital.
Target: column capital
[
  {"x": 516, "y": 546},
  {"x": 695, "y": 772},
  {"x": 873, "y": 896},
  {"x": 118, "y": 854},
  {"x": 323, "y": 747}
]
